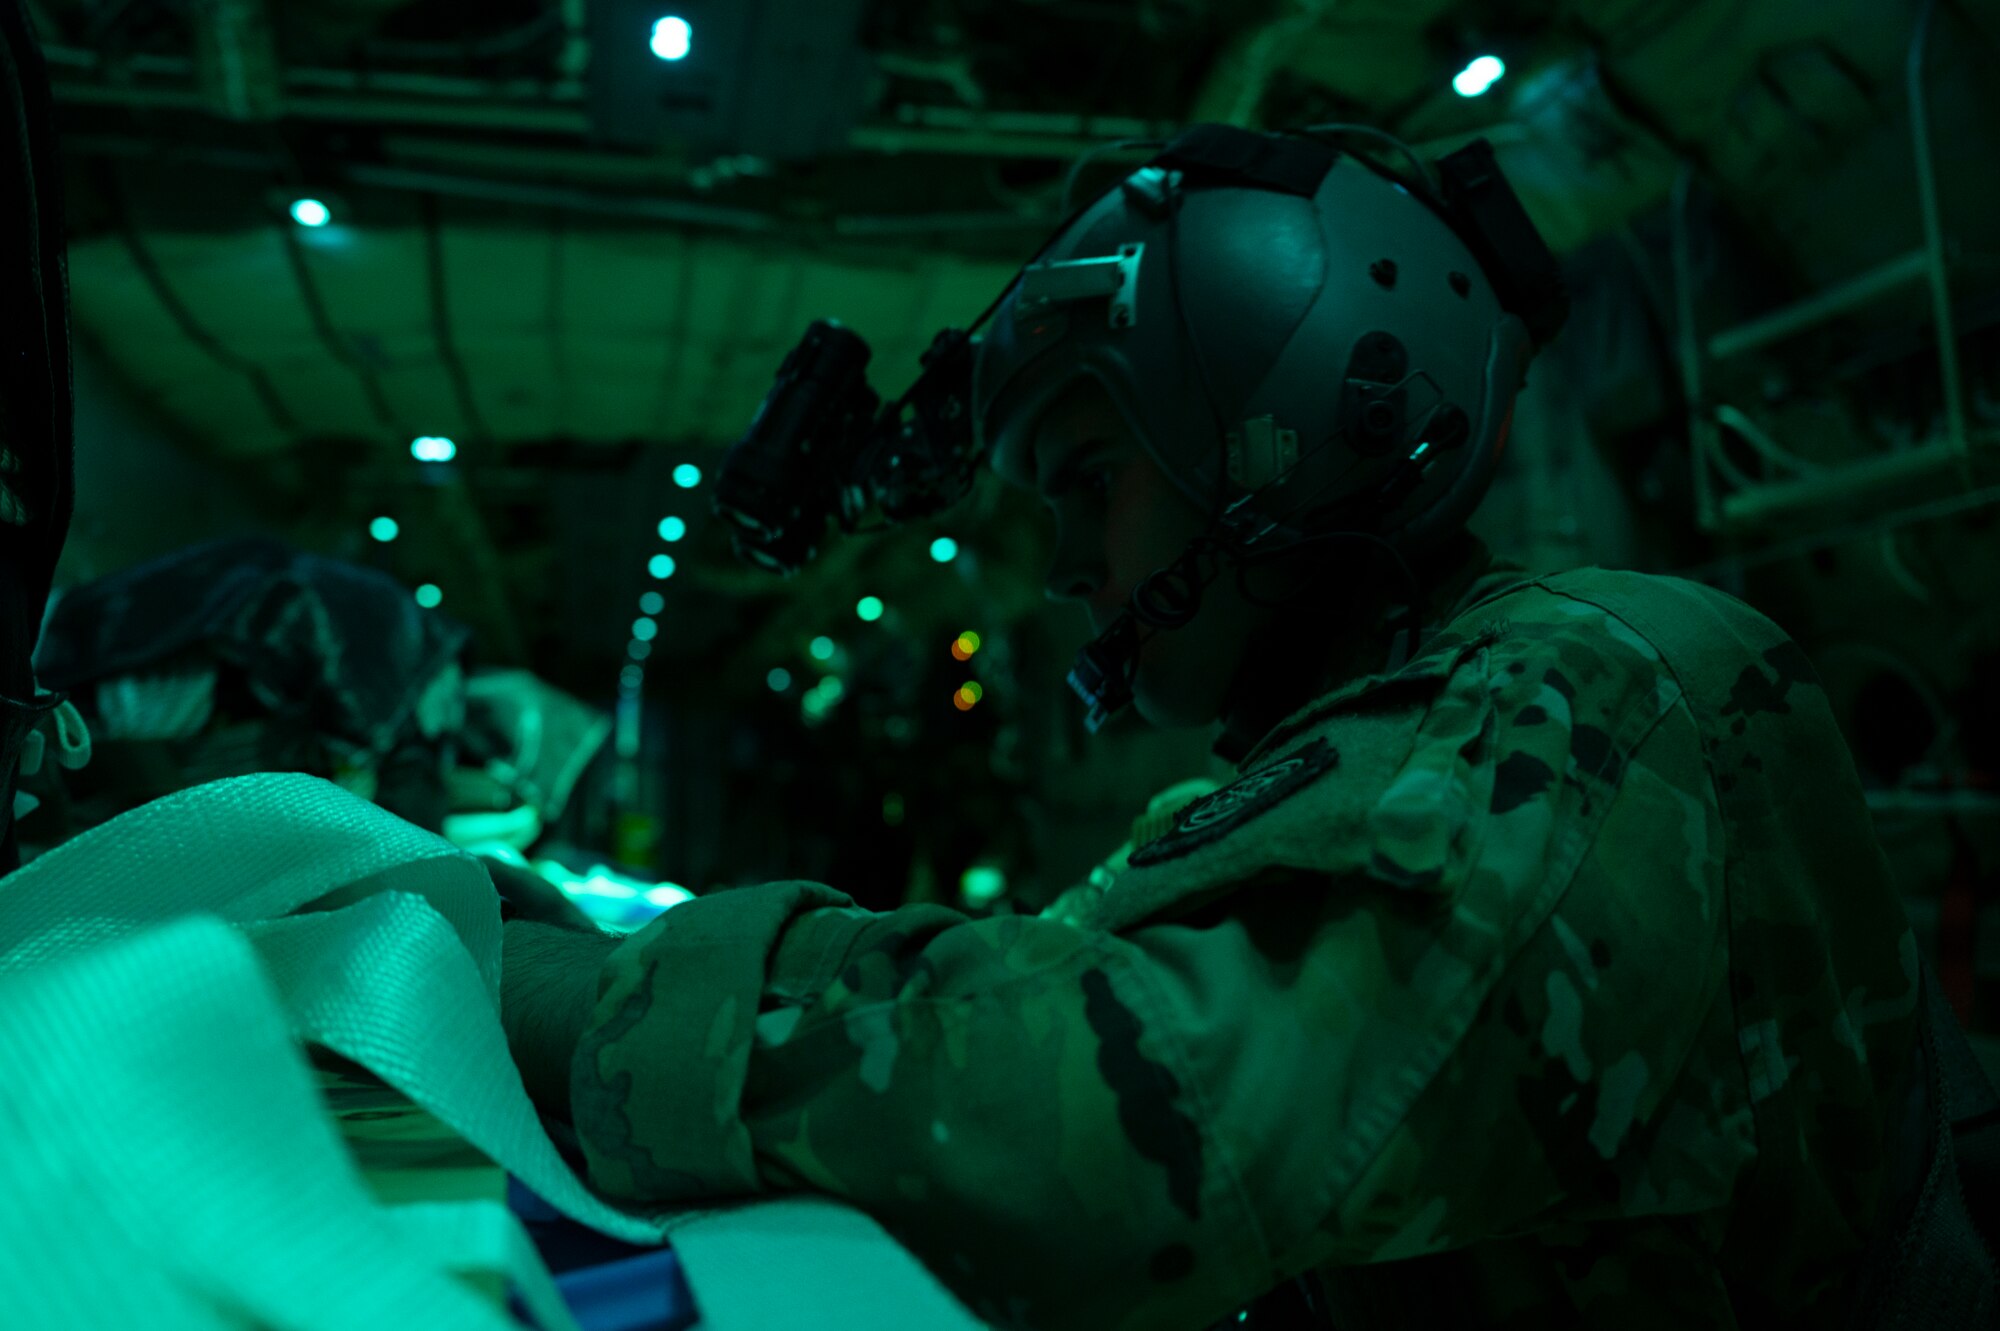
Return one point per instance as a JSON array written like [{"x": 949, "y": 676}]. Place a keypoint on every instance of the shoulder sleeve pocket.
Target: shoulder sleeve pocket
[{"x": 1386, "y": 784}]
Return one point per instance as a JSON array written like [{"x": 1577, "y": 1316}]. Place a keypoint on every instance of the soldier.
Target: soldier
[{"x": 1541, "y": 968}]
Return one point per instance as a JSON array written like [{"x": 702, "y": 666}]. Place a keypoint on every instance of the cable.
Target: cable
[
  {"x": 336, "y": 345},
  {"x": 1425, "y": 176},
  {"x": 195, "y": 332},
  {"x": 441, "y": 319},
  {"x": 1090, "y": 155}
]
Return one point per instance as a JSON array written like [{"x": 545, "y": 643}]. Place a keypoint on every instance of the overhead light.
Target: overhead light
[
  {"x": 430, "y": 596},
  {"x": 645, "y": 628},
  {"x": 944, "y": 549},
  {"x": 652, "y": 603},
  {"x": 822, "y": 648},
  {"x": 672, "y": 529},
  {"x": 433, "y": 448},
  {"x": 869, "y": 608},
  {"x": 982, "y": 885},
  {"x": 311, "y": 212},
  {"x": 673, "y": 38},
  {"x": 1477, "y": 77},
  {"x": 384, "y": 529},
  {"x": 687, "y": 475},
  {"x": 661, "y": 566},
  {"x": 779, "y": 679}
]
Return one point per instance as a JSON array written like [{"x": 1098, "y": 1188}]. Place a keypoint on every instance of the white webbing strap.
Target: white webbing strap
[
  {"x": 405, "y": 981},
  {"x": 167, "y": 1164}
]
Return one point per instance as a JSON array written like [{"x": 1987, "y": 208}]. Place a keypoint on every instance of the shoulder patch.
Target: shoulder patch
[{"x": 1221, "y": 812}]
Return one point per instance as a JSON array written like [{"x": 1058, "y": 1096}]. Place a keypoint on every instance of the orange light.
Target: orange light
[
  {"x": 958, "y": 652},
  {"x": 963, "y": 701}
]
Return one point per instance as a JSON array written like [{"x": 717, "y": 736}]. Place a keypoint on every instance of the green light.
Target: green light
[
  {"x": 869, "y": 608},
  {"x": 779, "y": 679},
  {"x": 822, "y": 648},
  {"x": 687, "y": 475},
  {"x": 632, "y": 676},
  {"x": 970, "y": 639},
  {"x": 973, "y": 690},
  {"x": 982, "y": 885},
  {"x": 672, "y": 529},
  {"x": 645, "y": 628},
  {"x": 944, "y": 549},
  {"x": 652, "y": 603},
  {"x": 638, "y": 651},
  {"x": 429, "y": 596},
  {"x": 384, "y": 529},
  {"x": 831, "y": 689},
  {"x": 661, "y": 566},
  {"x": 433, "y": 448}
]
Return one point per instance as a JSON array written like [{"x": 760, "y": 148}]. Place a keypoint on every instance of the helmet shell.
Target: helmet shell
[{"x": 1250, "y": 304}]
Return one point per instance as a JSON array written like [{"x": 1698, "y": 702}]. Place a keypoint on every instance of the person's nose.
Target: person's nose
[{"x": 1076, "y": 572}]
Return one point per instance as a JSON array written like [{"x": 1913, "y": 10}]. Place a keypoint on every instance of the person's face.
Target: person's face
[{"x": 1119, "y": 518}]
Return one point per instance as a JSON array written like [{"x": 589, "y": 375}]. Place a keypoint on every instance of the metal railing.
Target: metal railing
[{"x": 1807, "y": 486}]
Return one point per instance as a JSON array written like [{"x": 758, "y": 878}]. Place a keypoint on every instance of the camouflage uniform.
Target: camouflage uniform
[{"x": 1554, "y": 979}]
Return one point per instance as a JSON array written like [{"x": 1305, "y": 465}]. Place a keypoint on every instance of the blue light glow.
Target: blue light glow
[
  {"x": 673, "y": 38},
  {"x": 944, "y": 549},
  {"x": 652, "y": 603},
  {"x": 687, "y": 475},
  {"x": 672, "y": 529},
  {"x": 779, "y": 679},
  {"x": 645, "y": 629},
  {"x": 661, "y": 566},
  {"x": 311, "y": 212},
  {"x": 429, "y": 596},
  {"x": 384, "y": 529},
  {"x": 433, "y": 448},
  {"x": 869, "y": 608},
  {"x": 822, "y": 648}
]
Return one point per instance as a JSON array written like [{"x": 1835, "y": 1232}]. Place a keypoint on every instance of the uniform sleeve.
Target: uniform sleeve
[{"x": 1080, "y": 1128}]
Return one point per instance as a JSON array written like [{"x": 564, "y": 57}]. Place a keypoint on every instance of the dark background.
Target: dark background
[{"x": 582, "y": 264}]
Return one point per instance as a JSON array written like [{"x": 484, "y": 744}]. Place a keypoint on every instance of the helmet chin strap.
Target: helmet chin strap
[{"x": 1106, "y": 669}]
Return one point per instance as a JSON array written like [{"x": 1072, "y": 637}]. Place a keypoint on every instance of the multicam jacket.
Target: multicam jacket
[{"x": 1554, "y": 979}]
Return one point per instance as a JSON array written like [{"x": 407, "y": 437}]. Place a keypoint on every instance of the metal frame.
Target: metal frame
[{"x": 1756, "y": 502}]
